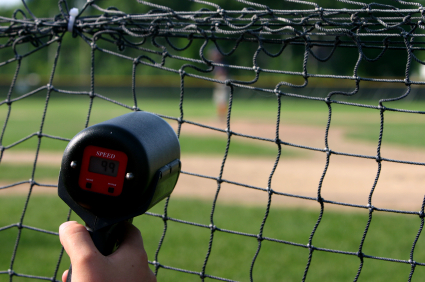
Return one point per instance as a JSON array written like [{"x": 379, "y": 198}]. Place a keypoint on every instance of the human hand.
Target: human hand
[{"x": 128, "y": 263}]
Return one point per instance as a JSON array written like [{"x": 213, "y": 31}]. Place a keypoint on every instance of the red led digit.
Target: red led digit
[{"x": 103, "y": 170}]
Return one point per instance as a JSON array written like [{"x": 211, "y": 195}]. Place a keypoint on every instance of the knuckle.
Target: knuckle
[
  {"x": 76, "y": 229},
  {"x": 86, "y": 258},
  {"x": 71, "y": 228}
]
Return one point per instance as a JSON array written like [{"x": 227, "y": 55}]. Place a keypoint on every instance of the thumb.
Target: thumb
[{"x": 76, "y": 241}]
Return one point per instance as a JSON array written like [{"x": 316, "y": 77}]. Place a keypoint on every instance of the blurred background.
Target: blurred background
[{"x": 241, "y": 202}]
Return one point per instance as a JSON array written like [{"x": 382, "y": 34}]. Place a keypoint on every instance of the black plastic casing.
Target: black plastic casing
[{"x": 153, "y": 152}]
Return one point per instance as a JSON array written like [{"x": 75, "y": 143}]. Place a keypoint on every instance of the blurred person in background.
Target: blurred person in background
[{"x": 221, "y": 91}]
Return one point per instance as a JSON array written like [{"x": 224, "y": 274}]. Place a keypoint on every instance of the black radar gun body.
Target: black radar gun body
[{"x": 116, "y": 170}]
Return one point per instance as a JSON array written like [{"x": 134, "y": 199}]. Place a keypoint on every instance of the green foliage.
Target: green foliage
[{"x": 76, "y": 54}]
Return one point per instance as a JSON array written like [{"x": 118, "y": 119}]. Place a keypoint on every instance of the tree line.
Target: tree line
[{"x": 75, "y": 56}]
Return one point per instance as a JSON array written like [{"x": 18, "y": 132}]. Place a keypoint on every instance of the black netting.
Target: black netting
[{"x": 340, "y": 54}]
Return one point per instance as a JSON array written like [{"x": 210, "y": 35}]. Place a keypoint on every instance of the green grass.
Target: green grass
[
  {"x": 189, "y": 144},
  {"x": 185, "y": 246},
  {"x": 67, "y": 116},
  {"x": 25, "y": 119},
  {"x": 409, "y": 135},
  {"x": 203, "y": 145},
  {"x": 16, "y": 172},
  {"x": 192, "y": 145}
]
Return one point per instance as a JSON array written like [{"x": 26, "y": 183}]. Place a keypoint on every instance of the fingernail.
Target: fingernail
[{"x": 65, "y": 224}]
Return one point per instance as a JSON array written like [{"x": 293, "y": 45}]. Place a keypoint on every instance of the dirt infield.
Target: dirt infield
[{"x": 348, "y": 179}]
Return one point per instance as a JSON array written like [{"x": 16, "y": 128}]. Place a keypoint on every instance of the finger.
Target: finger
[
  {"x": 65, "y": 275},
  {"x": 76, "y": 241},
  {"x": 132, "y": 242},
  {"x": 133, "y": 237}
]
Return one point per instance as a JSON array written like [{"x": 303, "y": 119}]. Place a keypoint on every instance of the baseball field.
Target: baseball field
[{"x": 250, "y": 162}]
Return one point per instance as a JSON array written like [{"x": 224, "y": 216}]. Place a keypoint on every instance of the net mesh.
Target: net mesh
[{"x": 161, "y": 38}]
